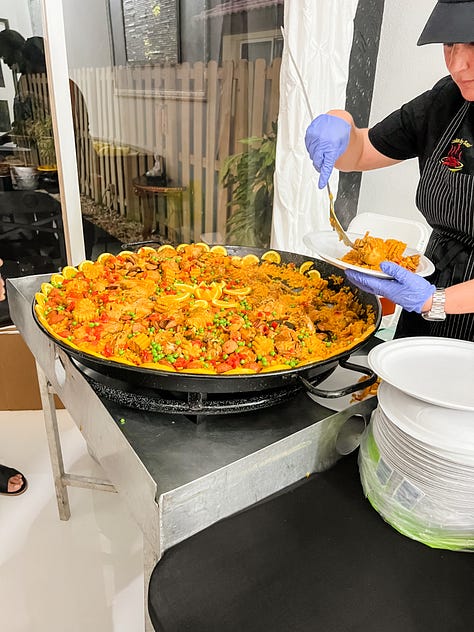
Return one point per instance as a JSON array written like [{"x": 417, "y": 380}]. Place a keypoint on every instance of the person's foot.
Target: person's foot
[
  {"x": 15, "y": 483},
  {"x": 12, "y": 482}
]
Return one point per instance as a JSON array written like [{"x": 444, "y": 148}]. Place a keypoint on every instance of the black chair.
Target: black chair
[
  {"x": 31, "y": 223},
  {"x": 31, "y": 237}
]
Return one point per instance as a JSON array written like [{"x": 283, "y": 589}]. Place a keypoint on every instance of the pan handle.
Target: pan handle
[
  {"x": 346, "y": 390},
  {"x": 137, "y": 244}
]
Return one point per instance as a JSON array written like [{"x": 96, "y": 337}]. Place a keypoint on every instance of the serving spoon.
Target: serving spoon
[
  {"x": 336, "y": 225},
  {"x": 343, "y": 236}
]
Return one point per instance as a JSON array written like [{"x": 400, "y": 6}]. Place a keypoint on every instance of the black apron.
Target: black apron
[{"x": 446, "y": 199}]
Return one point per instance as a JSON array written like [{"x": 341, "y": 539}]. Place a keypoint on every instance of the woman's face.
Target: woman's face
[{"x": 459, "y": 60}]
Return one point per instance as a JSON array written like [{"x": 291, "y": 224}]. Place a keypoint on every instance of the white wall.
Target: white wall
[
  {"x": 87, "y": 33},
  {"x": 18, "y": 15},
  {"x": 404, "y": 70}
]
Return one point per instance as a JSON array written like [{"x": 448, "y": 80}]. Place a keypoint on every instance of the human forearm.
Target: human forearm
[
  {"x": 360, "y": 154},
  {"x": 459, "y": 299},
  {"x": 350, "y": 159}
]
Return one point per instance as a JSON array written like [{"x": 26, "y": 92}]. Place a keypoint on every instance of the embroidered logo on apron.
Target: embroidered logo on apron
[{"x": 453, "y": 161}]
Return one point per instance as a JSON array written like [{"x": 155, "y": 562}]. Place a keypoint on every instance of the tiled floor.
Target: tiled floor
[{"x": 83, "y": 575}]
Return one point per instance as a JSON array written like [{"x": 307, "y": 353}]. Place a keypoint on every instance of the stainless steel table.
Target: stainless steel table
[{"x": 177, "y": 477}]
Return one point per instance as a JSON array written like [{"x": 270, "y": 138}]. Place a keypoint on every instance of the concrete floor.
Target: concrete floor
[{"x": 83, "y": 575}]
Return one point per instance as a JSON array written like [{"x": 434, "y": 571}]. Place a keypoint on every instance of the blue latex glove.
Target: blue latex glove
[
  {"x": 407, "y": 289},
  {"x": 326, "y": 139}
]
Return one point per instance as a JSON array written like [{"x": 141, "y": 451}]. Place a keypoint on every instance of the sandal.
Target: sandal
[{"x": 5, "y": 475}]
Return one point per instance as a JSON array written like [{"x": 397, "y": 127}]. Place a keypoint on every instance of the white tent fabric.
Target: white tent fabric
[{"x": 319, "y": 34}]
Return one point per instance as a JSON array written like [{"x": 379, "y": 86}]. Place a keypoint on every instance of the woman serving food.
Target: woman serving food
[{"x": 437, "y": 127}]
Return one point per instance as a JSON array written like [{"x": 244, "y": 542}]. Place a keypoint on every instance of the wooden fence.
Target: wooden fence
[{"x": 192, "y": 115}]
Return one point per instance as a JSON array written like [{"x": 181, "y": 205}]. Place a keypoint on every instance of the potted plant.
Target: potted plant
[
  {"x": 40, "y": 130},
  {"x": 249, "y": 176},
  {"x": 37, "y": 133}
]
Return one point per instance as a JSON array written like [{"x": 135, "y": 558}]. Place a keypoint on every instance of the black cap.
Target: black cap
[{"x": 452, "y": 22}]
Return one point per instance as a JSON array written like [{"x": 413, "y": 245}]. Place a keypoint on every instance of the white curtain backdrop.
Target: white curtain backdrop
[{"x": 319, "y": 35}]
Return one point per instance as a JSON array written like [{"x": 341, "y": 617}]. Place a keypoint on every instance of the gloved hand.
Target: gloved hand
[
  {"x": 326, "y": 139},
  {"x": 407, "y": 289}
]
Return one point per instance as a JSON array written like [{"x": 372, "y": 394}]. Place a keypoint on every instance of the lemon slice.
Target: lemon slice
[
  {"x": 237, "y": 371},
  {"x": 40, "y": 298},
  {"x": 144, "y": 249},
  {"x": 181, "y": 247},
  {"x": 126, "y": 253},
  {"x": 165, "y": 247},
  {"x": 219, "y": 250},
  {"x": 69, "y": 272},
  {"x": 314, "y": 274},
  {"x": 103, "y": 257},
  {"x": 57, "y": 279},
  {"x": 39, "y": 311},
  {"x": 272, "y": 256},
  {"x": 200, "y": 304},
  {"x": 243, "y": 291},
  {"x": 185, "y": 287},
  {"x": 304, "y": 267},
  {"x": 205, "y": 247},
  {"x": 85, "y": 264},
  {"x": 208, "y": 293},
  {"x": 175, "y": 298},
  {"x": 90, "y": 270},
  {"x": 203, "y": 370},
  {"x": 250, "y": 260},
  {"x": 236, "y": 260},
  {"x": 225, "y": 304},
  {"x": 275, "y": 367},
  {"x": 46, "y": 288}
]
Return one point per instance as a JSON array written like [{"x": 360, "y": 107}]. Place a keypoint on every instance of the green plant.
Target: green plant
[
  {"x": 40, "y": 130},
  {"x": 249, "y": 177}
]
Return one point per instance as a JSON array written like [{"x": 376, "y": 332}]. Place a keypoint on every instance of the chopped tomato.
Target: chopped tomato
[
  {"x": 181, "y": 363},
  {"x": 108, "y": 351}
]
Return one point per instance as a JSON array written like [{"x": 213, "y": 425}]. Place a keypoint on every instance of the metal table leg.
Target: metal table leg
[
  {"x": 54, "y": 444},
  {"x": 61, "y": 478}
]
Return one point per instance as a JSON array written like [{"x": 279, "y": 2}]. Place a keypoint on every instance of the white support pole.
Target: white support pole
[{"x": 60, "y": 101}]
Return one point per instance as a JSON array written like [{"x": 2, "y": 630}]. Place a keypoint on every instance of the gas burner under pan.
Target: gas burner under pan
[{"x": 193, "y": 405}]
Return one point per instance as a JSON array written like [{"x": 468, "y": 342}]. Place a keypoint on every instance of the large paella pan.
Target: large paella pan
[{"x": 207, "y": 319}]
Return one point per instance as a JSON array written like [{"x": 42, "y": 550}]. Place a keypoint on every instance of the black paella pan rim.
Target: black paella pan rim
[{"x": 219, "y": 383}]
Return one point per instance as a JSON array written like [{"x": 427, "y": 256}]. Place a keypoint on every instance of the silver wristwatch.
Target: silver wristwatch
[{"x": 437, "y": 308}]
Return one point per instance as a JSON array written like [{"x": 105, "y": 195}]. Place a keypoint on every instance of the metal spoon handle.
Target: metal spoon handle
[{"x": 335, "y": 222}]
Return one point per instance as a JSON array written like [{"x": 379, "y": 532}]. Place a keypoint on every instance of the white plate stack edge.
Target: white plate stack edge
[{"x": 417, "y": 457}]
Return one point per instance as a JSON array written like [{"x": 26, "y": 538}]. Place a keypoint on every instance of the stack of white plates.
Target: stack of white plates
[{"x": 417, "y": 458}]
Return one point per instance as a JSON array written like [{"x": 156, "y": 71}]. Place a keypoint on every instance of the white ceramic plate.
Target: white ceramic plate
[
  {"x": 447, "y": 430},
  {"x": 338, "y": 379},
  {"x": 439, "y": 371},
  {"x": 326, "y": 246}
]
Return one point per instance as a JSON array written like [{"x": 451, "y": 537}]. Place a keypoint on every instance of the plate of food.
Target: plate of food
[{"x": 370, "y": 251}]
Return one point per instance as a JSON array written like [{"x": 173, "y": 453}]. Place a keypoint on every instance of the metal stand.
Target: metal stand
[{"x": 62, "y": 480}]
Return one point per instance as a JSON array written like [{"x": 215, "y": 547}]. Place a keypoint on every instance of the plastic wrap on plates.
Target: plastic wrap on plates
[{"x": 409, "y": 509}]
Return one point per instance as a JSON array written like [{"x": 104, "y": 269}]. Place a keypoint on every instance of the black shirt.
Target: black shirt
[{"x": 415, "y": 129}]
